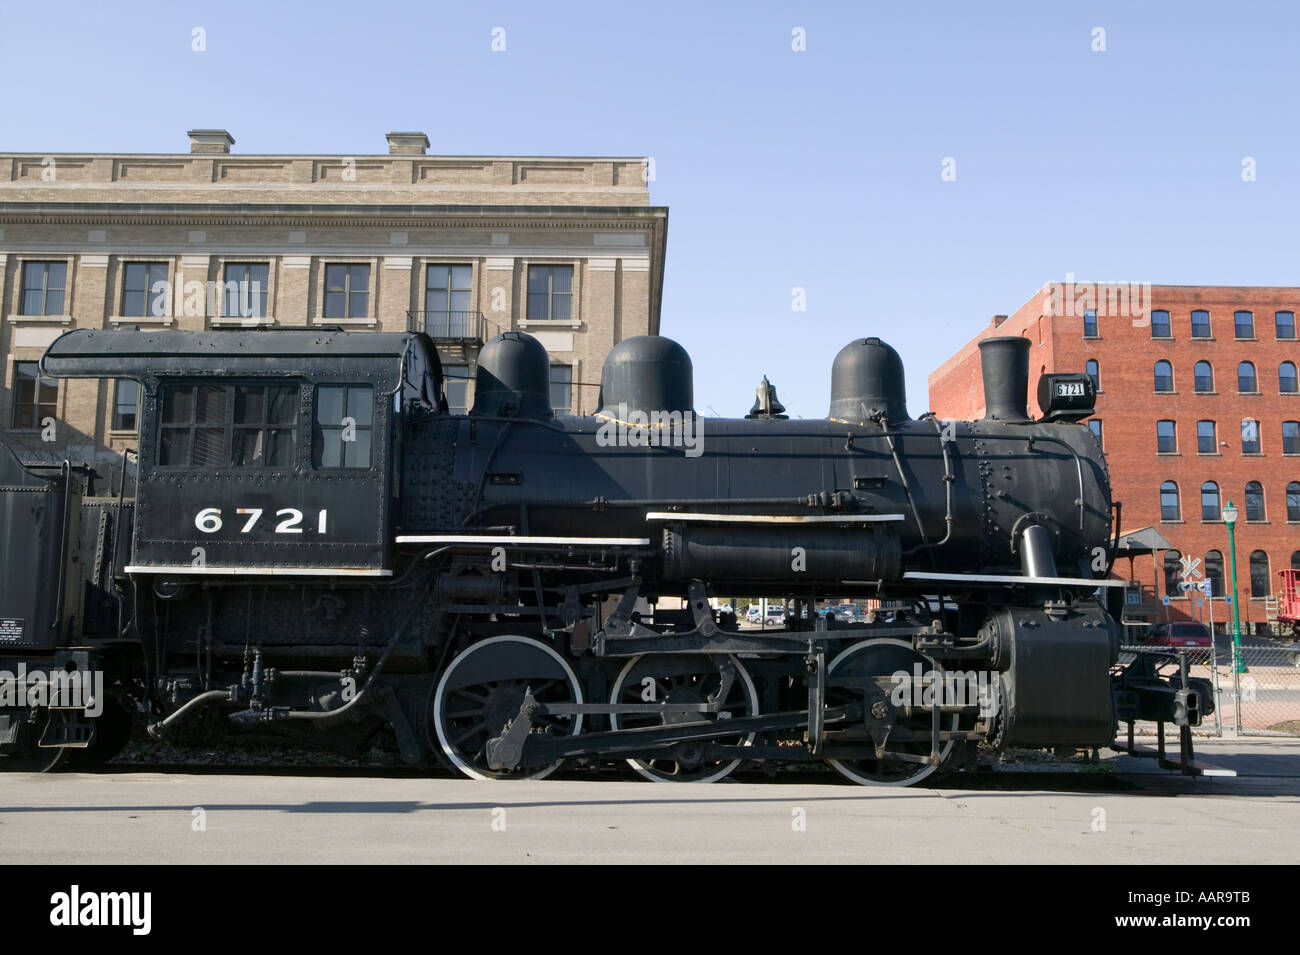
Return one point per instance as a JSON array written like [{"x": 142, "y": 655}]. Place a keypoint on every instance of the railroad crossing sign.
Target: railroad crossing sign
[{"x": 1191, "y": 566}]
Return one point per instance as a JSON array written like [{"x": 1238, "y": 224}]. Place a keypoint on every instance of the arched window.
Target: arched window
[
  {"x": 1286, "y": 378},
  {"x": 1246, "y": 382},
  {"x": 1210, "y": 502},
  {"x": 1160, "y": 323},
  {"x": 1094, "y": 372},
  {"x": 1258, "y": 574},
  {"x": 1200, "y": 323},
  {"x": 1169, "y": 507},
  {"x": 1164, "y": 376},
  {"x": 1166, "y": 437},
  {"x": 1293, "y": 501},
  {"x": 1254, "y": 501},
  {"x": 1174, "y": 572},
  {"x": 1286, "y": 325},
  {"x": 1243, "y": 324},
  {"x": 1214, "y": 572},
  {"x": 1291, "y": 437},
  {"x": 1204, "y": 376},
  {"x": 1249, "y": 436}
]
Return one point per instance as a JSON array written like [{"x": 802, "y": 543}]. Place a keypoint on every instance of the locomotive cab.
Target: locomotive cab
[{"x": 246, "y": 469}]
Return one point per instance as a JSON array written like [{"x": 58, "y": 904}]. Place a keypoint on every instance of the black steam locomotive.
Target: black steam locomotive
[{"x": 316, "y": 550}]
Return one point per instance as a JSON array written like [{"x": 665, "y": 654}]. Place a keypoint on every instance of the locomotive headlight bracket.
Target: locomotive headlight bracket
[{"x": 1067, "y": 397}]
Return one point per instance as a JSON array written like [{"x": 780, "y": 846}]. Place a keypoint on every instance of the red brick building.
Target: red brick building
[{"x": 1198, "y": 404}]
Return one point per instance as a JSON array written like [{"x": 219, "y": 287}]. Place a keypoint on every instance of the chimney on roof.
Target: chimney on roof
[
  {"x": 407, "y": 144},
  {"x": 210, "y": 141},
  {"x": 998, "y": 320}
]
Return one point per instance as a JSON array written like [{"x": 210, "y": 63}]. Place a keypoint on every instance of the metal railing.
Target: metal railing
[{"x": 447, "y": 326}]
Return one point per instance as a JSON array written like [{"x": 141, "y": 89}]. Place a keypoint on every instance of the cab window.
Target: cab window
[{"x": 344, "y": 423}]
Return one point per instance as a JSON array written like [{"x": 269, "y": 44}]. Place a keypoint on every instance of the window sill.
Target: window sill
[
  {"x": 1164, "y": 392},
  {"x": 39, "y": 319},
  {"x": 550, "y": 323},
  {"x": 1210, "y": 394},
  {"x": 223, "y": 321},
  {"x": 141, "y": 319},
  {"x": 1253, "y": 454},
  {"x": 1169, "y": 454},
  {"x": 1239, "y": 338},
  {"x": 1208, "y": 454},
  {"x": 1163, "y": 521},
  {"x": 123, "y": 435},
  {"x": 370, "y": 320},
  {"x": 1162, "y": 338},
  {"x": 1259, "y": 522},
  {"x": 1247, "y": 394},
  {"x": 1200, "y": 338}
]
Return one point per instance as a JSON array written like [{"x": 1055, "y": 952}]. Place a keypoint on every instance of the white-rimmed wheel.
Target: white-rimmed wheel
[
  {"x": 683, "y": 678},
  {"x": 483, "y": 689},
  {"x": 884, "y": 657}
]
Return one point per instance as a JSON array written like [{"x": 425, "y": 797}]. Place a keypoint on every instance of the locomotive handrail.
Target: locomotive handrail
[
  {"x": 773, "y": 518},
  {"x": 1015, "y": 579}
]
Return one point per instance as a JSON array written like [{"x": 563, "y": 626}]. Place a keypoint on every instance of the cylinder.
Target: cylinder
[
  {"x": 814, "y": 554},
  {"x": 1004, "y": 365}
]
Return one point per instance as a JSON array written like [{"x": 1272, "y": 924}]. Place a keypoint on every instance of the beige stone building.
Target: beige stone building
[{"x": 568, "y": 249}]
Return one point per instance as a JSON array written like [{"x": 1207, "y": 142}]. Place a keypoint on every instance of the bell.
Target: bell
[{"x": 767, "y": 404}]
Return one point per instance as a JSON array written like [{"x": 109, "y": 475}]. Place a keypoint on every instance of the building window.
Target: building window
[
  {"x": 1246, "y": 382},
  {"x": 1170, "y": 510},
  {"x": 1249, "y": 436},
  {"x": 1254, "y": 501},
  {"x": 1200, "y": 324},
  {"x": 1285, "y": 325},
  {"x": 1173, "y": 572},
  {"x": 1214, "y": 572},
  {"x": 1160, "y": 324},
  {"x": 35, "y": 398},
  {"x": 347, "y": 291},
  {"x": 1286, "y": 378},
  {"x": 1210, "y": 501},
  {"x": 246, "y": 287},
  {"x": 1258, "y": 574},
  {"x": 550, "y": 292},
  {"x": 1164, "y": 376},
  {"x": 1291, "y": 437},
  {"x": 561, "y": 389},
  {"x": 1295, "y": 560},
  {"x": 1243, "y": 324},
  {"x": 456, "y": 384},
  {"x": 1089, "y": 324},
  {"x": 446, "y": 301},
  {"x": 44, "y": 288},
  {"x": 1094, "y": 372},
  {"x": 126, "y": 404},
  {"x": 344, "y": 419},
  {"x": 1166, "y": 437},
  {"x": 1095, "y": 426},
  {"x": 1203, "y": 375},
  {"x": 1206, "y": 440},
  {"x": 1293, "y": 501},
  {"x": 144, "y": 290}
]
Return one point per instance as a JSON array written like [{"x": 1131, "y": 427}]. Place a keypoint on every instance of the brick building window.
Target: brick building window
[
  {"x": 1200, "y": 323},
  {"x": 1094, "y": 372},
  {"x": 1164, "y": 376},
  {"x": 1206, "y": 440},
  {"x": 1243, "y": 324},
  {"x": 1258, "y": 574},
  {"x": 44, "y": 288},
  {"x": 1095, "y": 426},
  {"x": 1173, "y": 572},
  {"x": 347, "y": 291},
  {"x": 1286, "y": 378},
  {"x": 1249, "y": 436},
  {"x": 1291, "y": 437},
  {"x": 562, "y": 389},
  {"x": 1255, "y": 501},
  {"x": 1295, "y": 560},
  {"x": 1170, "y": 509},
  {"x": 144, "y": 289},
  {"x": 1285, "y": 324},
  {"x": 126, "y": 404},
  {"x": 550, "y": 292},
  {"x": 456, "y": 384},
  {"x": 1247, "y": 383},
  {"x": 1166, "y": 437},
  {"x": 1090, "y": 323},
  {"x": 35, "y": 398},
  {"x": 1214, "y": 572},
  {"x": 1160, "y": 324},
  {"x": 1203, "y": 375},
  {"x": 1293, "y": 501},
  {"x": 1210, "y": 502}
]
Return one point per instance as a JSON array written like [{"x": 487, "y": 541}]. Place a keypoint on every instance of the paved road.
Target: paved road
[{"x": 149, "y": 817}]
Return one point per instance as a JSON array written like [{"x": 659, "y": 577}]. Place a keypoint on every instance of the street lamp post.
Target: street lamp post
[{"x": 1230, "y": 518}]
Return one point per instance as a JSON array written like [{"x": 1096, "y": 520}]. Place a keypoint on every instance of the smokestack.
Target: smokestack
[{"x": 1004, "y": 363}]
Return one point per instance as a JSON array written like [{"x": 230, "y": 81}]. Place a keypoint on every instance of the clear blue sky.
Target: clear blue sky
[{"x": 818, "y": 169}]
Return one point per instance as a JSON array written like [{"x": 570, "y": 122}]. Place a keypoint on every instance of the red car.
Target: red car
[{"x": 1180, "y": 635}]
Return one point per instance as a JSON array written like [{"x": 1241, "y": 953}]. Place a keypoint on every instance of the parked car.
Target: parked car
[{"x": 1180, "y": 635}]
